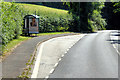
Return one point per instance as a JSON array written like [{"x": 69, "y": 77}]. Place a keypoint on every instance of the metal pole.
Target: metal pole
[
  {"x": 35, "y": 12},
  {"x": 79, "y": 16}
]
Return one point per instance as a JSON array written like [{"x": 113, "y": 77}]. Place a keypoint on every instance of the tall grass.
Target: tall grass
[
  {"x": 51, "y": 19},
  {"x": 46, "y": 11}
]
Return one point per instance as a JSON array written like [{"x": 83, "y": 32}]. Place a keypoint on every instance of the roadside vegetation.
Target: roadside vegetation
[
  {"x": 44, "y": 11},
  {"x": 52, "y": 21},
  {"x": 87, "y": 16},
  {"x": 81, "y": 17},
  {"x": 14, "y": 43}
]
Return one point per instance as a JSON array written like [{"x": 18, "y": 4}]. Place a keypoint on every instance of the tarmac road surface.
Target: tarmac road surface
[{"x": 91, "y": 57}]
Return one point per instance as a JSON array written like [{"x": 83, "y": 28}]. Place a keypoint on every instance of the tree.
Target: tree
[
  {"x": 87, "y": 16},
  {"x": 118, "y": 7},
  {"x": 112, "y": 14}
]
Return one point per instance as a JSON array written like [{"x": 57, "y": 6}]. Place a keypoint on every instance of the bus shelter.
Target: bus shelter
[{"x": 31, "y": 24}]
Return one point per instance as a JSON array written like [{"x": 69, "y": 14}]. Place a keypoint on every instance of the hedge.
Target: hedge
[{"x": 11, "y": 21}]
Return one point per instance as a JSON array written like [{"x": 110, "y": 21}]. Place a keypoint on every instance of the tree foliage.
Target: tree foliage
[
  {"x": 12, "y": 15},
  {"x": 87, "y": 15},
  {"x": 112, "y": 15},
  {"x": 118, "y": 7},
  {"x": 11, "y": 21}
]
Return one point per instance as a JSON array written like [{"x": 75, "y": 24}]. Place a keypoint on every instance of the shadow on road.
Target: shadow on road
[
  {"x": 114, "y": 37},
  {"x": 114, "y": 41}
]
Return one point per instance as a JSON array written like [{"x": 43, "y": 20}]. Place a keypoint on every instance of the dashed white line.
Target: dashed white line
[
  {"x": 65, "y": 52},
  {"x": 114, "y": 46},
  {"x": 37, "y": 62},
  {"x": 67, "y": 49},
  {"x": 46, "y": 77},
  {"x": 52, "y": 71},
  {"x": 118, "y": 52},
  {"x": 55, "y": 64},
  {"x": 59, "y": 59},
  {"x": 62, "y": 55},
  {"x": 70, "y": 47}
]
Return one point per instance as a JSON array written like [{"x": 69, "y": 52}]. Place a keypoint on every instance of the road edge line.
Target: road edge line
[
  {"x": 114, "y": 45},
  {"x": 35, "y": 71},
  {"x": 37, "y": 62}
]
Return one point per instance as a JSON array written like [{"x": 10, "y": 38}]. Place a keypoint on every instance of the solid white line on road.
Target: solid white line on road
[
  {"x": 37, "y": 63},
  {"x": 52, "y": 71}
]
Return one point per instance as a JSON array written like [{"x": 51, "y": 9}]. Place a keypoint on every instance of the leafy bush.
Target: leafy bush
[
  {"x": 12, "y": 14},
  {"x": 51, "y": 19},
  {"x": 96, "y": 21},
  {"x": 87, "y": 16},
  {"x": 52, "y": 24},
  {"x": 11, "y": 21}
]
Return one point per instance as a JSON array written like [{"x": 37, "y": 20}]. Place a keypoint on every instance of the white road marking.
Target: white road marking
[
  {"x": 46, "y": 77},
  {"x": 67, "y": 49},
  {"x": 70, "y": 47},
  {"x": 59, "y": 59},
  {"x": 38, "y": 58},
  {"x": 55, "y": 64},
  {"x": 114, "y": 44},
  {"x": 52, "y": 71},
  {"x": 37, "y": 63},
  {"x": 65, "y": 52},
  {"x": 117, "y": 51},
  {"x": 62, "y": 55}
]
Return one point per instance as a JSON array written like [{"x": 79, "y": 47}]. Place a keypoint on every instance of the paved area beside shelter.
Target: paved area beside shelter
[{"x": 15, "y": 63}]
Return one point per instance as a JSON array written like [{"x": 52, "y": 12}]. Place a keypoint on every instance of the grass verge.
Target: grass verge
[
  {"x": 52, "y": 33},
  {"x": 15, "y": 42}
]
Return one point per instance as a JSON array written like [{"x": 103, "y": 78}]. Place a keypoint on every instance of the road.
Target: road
[
  {"x": 91, "y": 57},
  {"x": 16, "y": 62},
  {"x": 50, "y": 52}
]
